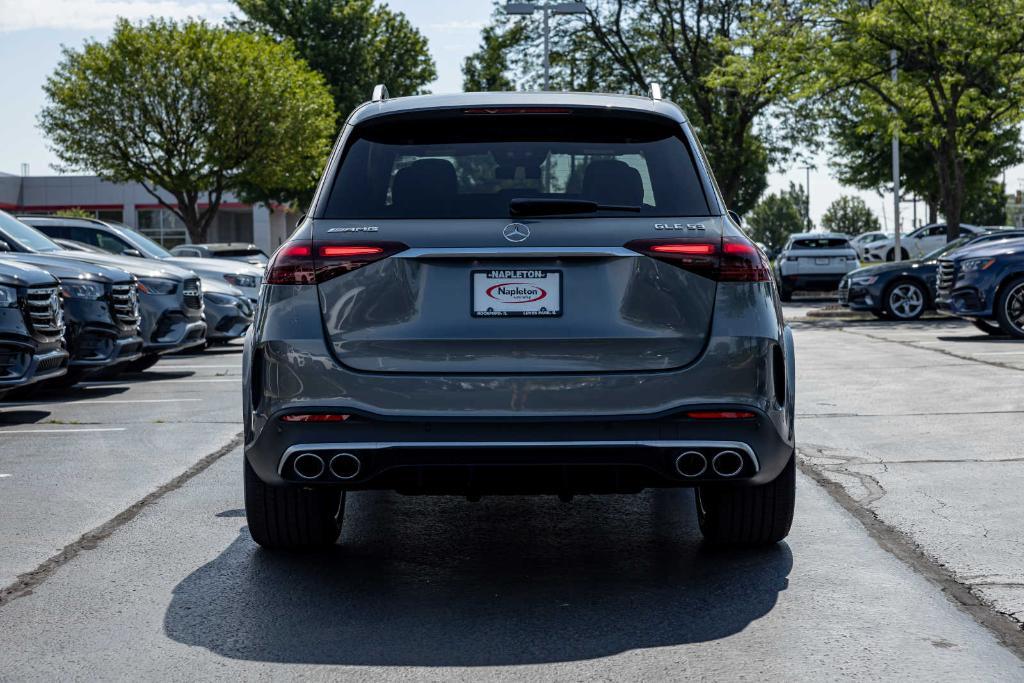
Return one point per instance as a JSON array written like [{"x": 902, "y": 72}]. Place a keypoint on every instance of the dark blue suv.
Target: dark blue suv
[{"x": 985, "y": 284}]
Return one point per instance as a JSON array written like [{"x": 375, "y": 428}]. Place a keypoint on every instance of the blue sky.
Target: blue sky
[{"x": 32, "y": 32}]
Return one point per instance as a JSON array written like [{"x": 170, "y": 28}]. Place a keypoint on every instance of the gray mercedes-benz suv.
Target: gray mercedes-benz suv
[{"x": 521, "y": 293}]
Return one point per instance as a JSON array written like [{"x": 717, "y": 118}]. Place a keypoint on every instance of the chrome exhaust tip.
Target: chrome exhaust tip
[
  {"x": 727, "y": 463},
  {"x": 308, "y": 465},
  {"x": 345, "y": 466},
  {"x": 691, "y": 464}
]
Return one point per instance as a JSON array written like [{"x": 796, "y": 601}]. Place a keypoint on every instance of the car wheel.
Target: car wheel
[
  {"x": 1010, "y": 308},
  {"x": 988, "y": 327},
  {"x": 141, "y": 364},
  {"x": 291, "y": 518},
  {"x": 748, "y": 515},
  {"x": 785, "y": 293},
  {"x": 905, "y": 300},
  {"x": 891, "y": 255}
]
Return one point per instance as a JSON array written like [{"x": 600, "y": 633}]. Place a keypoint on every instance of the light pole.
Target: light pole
[
  {"x": 897, "y": 248},
  {"x": 807, "y": 189},
  {"x": 546, "y": 9}
]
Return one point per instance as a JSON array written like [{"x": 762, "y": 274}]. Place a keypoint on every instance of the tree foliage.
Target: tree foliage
[
  {"x": 850, "y": 215},
  {"x": 355, "y": 44},
  {"x": 193, "y": 109},
  {"x": 774, "y": 219},
  {"x": 959, "y": 97},
  {"x": 625, "y": 45},
  {"x": 987, "y": 205}
]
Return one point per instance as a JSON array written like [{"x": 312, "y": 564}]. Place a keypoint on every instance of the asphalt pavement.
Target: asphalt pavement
[{"x": 135, "y": 562}]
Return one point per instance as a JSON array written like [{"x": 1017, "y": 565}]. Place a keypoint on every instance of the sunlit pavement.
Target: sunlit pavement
[{"x": 606, "y": 587}]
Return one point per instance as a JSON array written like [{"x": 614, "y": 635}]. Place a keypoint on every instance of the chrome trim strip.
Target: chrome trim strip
[
  {"x": 515, "y": 252},
  {"x": 380, "y": 445}
]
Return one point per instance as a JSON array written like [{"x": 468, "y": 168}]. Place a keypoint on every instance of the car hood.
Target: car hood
[
  {"x": 65, "y": 265},
  {"x": 891, "y": 267},
  {"x": 997, "y": 248},
  {"x": 216, "y": 266},
  {"x": 16, "y": 274},
  {"x": 140, "y": 267},
  {"x": 220, "y": 287}
]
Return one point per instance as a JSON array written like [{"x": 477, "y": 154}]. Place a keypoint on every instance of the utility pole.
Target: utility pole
[
  {"x": 897, "y": 246},
  {"x": 807, "y": 191},
  {"x": 528, "y": 8}
]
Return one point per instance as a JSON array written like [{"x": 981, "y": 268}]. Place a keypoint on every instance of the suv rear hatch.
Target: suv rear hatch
[{"x": 463, "y": 282}]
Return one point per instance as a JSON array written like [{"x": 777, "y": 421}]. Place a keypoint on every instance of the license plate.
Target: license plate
[
  {"x": 822, "y": 261},
  {"x": 516, "y": 293}
]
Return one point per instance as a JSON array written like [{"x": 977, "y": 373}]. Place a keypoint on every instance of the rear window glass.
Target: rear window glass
[
  {"x": 821, "y": 243},
  {"x": 472, "y": 166}
]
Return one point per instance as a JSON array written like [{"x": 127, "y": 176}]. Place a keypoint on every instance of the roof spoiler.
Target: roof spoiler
[{"x": 380, "y": 93}]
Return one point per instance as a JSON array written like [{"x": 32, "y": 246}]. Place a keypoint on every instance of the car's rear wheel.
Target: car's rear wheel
[
  {"x": 748, "y": 515},
  {"x": 785, "y": 293},
  {"x": 988, "y": 327},
  {"x": 291, "y": 518},
  {"x": 905, "y": 300},
  {"x": 1010, "y": 308},
  {"x": 891, "y": 255}
]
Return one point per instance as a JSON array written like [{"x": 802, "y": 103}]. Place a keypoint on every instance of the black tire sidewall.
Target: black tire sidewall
[{"x": 1002, "y": 315}]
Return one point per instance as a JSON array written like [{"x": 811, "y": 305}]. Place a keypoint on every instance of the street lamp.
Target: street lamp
[{"x": 546, "y": 9}]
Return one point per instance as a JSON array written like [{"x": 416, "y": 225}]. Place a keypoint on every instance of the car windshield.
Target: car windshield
[
  {"x": 141, "y": 242},
  {"x": 27, "y": 237},
  {"x": 473, "y": 166}
]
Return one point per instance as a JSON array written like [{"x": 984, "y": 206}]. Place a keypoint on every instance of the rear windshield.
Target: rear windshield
[
  {"x": 470, "y": 167},
  {"x": 821, "y": 243}
]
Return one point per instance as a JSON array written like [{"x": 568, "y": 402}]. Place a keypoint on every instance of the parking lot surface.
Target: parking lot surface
[{"x": 896, "y": 528}]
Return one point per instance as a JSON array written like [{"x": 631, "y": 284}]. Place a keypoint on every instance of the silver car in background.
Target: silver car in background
[
  {"x": 518, "y": 293},
  {"x": 814, "y": 261}
]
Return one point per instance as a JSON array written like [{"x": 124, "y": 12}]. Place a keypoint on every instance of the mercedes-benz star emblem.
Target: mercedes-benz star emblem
[{"x": 516, "y": 232}]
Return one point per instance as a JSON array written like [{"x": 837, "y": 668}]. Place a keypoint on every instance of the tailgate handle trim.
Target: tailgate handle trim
[{"x": 515, "y": 252}]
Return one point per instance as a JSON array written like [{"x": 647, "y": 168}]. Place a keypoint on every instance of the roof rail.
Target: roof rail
[
  {"x": 655, "y": 92},
  {"x": 380, "y": 93}
]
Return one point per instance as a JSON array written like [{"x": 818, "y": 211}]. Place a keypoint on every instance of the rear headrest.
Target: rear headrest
[
  {"x": 610, "y": 181},
  {"x": 425, "y": 181}
]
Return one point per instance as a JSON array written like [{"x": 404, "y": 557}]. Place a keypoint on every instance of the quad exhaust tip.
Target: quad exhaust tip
[
  {"x": 691, "y": 464},
  {"x": 727, "y": 463},
  {"x": 345, "y": 466},
  {"x": 308, "y": 465}
]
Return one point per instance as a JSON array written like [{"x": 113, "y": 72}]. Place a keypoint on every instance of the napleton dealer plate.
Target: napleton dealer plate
[{"x": 516, "y": 293}]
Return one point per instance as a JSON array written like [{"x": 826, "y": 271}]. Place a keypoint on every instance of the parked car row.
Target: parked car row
[
  {"x": 978, "y": 277},
  {"x": 72, "y": 309}
]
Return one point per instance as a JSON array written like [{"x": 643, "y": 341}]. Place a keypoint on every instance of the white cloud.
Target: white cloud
[{"x": 91, "y": 15}]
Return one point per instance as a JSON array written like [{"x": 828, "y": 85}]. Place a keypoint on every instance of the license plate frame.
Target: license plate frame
[
  {"x": 484, "y": 282},
  {"x": 822, "y": 260}
]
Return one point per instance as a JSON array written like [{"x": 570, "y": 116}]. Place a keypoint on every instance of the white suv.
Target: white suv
[
  {"x": 814, "y": 261},
  {"x": 924, "y": 240}
]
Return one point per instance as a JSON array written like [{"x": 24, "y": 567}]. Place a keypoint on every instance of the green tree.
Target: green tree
[
  {"x": 487, "y": 69},
  {"x": 774, "y": 219},
  {"x": 192, "y": 109},
  {"x": 850, "y": 215},
  {"x": 987, "y": 206},
  {"x": 625, "y": 45},
  {"x": 960, "y": 80},
  {"x": 797, "y": 195},
  {"x": 355, "y": 44},
  {"x": 75, "y": 212}
]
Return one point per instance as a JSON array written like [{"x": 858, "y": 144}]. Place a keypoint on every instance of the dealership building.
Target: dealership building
[{"x": 130, "y": 203}]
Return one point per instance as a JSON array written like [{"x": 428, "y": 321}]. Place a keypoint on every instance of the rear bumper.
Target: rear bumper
[
  {"x": 827, "y": 281},
  {"x": 518, "y": 457}
]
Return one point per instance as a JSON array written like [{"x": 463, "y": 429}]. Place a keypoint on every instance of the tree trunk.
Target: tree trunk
[{"x": 950, "y": 171}]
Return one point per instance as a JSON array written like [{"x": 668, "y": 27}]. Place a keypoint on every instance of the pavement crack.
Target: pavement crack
[
  {"x": 25, "y": 583},
  {"x": 901, "y": 545},
  {"x": 945, "y": 352},
  {"x": 871, "y": 485}
]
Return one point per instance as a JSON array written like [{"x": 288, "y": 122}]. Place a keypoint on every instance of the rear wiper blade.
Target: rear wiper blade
[{"x": 527, "y": 206}]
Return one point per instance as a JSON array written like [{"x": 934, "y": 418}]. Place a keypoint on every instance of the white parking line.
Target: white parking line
[
  {"x": 999, "y": 353},
  {"x": 196, "y": 367},
  {"x": 4, "y": 476},
  {"x": 158, "y": 382},
  {"x": 94, "y": 401},
  {"x": 60, "y": 431}
]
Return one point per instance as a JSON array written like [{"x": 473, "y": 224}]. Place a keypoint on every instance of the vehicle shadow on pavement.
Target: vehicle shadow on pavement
[{"x": 425, "y": 581}]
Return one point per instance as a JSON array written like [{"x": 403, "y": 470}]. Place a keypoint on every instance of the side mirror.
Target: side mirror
[
  {"x": 131, "y": 252},
  {"x": 4, "y": 246},
  {"x": 737, "y": 219}
]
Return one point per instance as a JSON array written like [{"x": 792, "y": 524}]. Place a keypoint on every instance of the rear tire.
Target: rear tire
[
  {"x": 785, "y": 293},
  {"x": 905, "y": 300},
  {"x": 291, "y": 517},
  {"x": 1010, "y": 308},
  {"x": 748, "y": 515},
  {"x": 988, "y": 327},
  {"x": 891, "y": 255}
]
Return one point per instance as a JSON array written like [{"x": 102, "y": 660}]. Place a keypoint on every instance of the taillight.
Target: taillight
[
  {"x": 299, "y": 263},
  {"x": 733, "y": 259},
  {"x": 720, "y": 415},
  {"x": 315, "y": 417}
]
